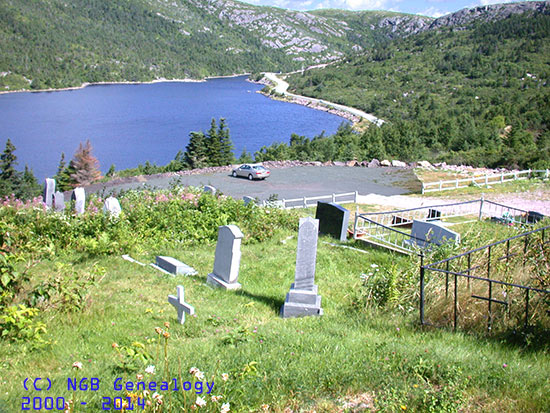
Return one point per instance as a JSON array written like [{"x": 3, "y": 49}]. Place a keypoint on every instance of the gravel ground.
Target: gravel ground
[{"x": 288, "y": 183}]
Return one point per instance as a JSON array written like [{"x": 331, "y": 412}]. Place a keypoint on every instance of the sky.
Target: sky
[{"x": 432, "y": 8}]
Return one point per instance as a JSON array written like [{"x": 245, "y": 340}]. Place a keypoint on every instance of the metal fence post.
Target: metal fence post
[
  {"x": 356, "y": 196},
  {"x": 333, "y": 198},
  {"x": 305, "y": 202},
  {"x": 481, "y": 207}
]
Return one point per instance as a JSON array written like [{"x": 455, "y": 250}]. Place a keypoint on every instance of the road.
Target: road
[{"x": 281, "y": 87}]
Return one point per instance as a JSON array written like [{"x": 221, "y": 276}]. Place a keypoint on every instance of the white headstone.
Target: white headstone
[
  {"x": 59, "y": 201},
  {"x": 210, "y": 189},
  {"x": 181, "y": 306},
  {"x": 112, "y": 206},
  {"x": 423, "y": 233},
  {"x": 302, "y": 299},
  {"x": 49, "y": 189},
  {"x": 80, "y": 200},
  {"x": 228, "y": 258}
]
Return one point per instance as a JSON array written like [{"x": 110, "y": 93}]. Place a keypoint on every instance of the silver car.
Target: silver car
[{"x": 251, "y": 171}]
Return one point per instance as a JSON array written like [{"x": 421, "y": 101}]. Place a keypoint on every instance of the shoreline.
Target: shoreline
[{"x": 123, "y": 82}]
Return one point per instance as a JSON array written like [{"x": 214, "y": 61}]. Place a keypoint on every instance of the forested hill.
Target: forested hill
[
  {"x": 59, "y": 43},
  {"x": 479, "y": 95}
]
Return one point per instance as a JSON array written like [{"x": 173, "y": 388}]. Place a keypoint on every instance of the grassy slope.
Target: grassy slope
[{"x": 302, "y": 363}]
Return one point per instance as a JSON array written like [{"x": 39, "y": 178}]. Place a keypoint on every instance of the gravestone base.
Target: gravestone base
[
  {"x": 214, "y": 281},
  {"x": 174, "y": 266},
  {"x": 302, "y": 303}
]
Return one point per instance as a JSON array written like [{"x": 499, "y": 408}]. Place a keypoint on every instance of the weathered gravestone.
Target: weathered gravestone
[
  {"x": 228, "y": 258},
  {"x": 181, "y": 306},
  {"x": 49, "y": 189},
  {"x": 423, "y": 233},
  {"x": 248, "y": 199},
  {"x": 333, "y": 220},
  {"x": 79, "y": 196},
  {"x": 112, "y": 206},
  {"x": 59, "y": 201},
  {"x": 302, "y": 299},
  {"x": 210, "y": 189},
  {"x": 174, "y": 266}
]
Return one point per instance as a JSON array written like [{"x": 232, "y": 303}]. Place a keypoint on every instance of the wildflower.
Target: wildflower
[
  {"x": 114, "y": 345},
  {"x": 505, "y": 365},
  {"x": 139, "y": 376},
  {"x": 216, "y": 399},
  {"x": 374, "y": 266},
  {"x": 264, "y": 407},
  {"x": 200, "y": 401},
  {"x": 77, "y": 365},
  {"x": 199, "y": 375},
  {"x": 158, "y": 330},
  {"x": 403, "y": 407},
  {"x": 157, "y": 397},
  {"x": 193, "y": 370},
  {"x": 166, "y": 334},
  {"x": 398, "y": 329},
  {"x": 150, "y": 369},
  {"x": 225, "y": 408},
  {"x": 225, "y": 376},
  {"x": 167, "y": 324}
]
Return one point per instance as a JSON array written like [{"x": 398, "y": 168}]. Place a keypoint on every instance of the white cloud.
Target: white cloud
[
  {"x": 488, "y": 2},
  {"x": 433, "y": 12}
]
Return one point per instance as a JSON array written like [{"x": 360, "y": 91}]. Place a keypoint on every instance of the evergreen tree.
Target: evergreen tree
[
  {"x": 196, "y": 151},
  {"x": 245, "y": 157},
  {"x": 213, "y": 145},
  {"x": 29, "y": 185},
  {"x": 85, "y": 165},
  {"x": 111, "y": 171},
  {"x": 226, "y": 146},
  {"x": 63, "y": 175},
  {"x": 10, "y": 179}
]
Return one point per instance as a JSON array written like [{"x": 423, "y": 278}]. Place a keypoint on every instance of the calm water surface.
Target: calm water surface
[{"x": 130, "y": 124}]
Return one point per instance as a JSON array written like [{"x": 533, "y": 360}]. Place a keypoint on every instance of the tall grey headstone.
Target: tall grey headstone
[
  {"x": 112, "y": 206},
  {"x": 59, "y": 201},
  {"x": 181, "y": 306},
  {"x": 333, "y": 220},
  {"x": 423, "y": 233},
  {"x": 210, "y": 189},
  {"x": 49, "y": 189},
  {"x": 302, "y": 299},
  {"x": 80, "y": 200},
  {"x": 228, "y": 258}
]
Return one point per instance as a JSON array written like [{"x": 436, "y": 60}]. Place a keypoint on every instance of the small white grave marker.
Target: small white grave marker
[{"x": 181, "y": 306}]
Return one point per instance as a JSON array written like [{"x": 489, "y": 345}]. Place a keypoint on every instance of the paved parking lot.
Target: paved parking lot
[{"x": 292, "y": 182}]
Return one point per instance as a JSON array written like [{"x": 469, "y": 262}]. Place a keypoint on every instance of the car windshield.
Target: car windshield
[{"x": 259, "y": 168}]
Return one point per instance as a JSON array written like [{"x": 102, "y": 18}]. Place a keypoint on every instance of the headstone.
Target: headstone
[
  {"x": 59, "y": 201},
  {"x": 112, "y": 206},
  {"x": 181, "y": 306},
  {"x": 248, "y": 199},
  {"x": 174, "y": 266},
  {"x": 49, "y": 189},
  {"x": 80, "y": 200},
  {"x": 228, "y": 258},
  {"x": 423, "y": 233},
  {"x": 534, "y": 217},
  {"x": 333, "y": 219},
  {"x": 302, "y": 299},
  {"x": 210, "y": 189}
]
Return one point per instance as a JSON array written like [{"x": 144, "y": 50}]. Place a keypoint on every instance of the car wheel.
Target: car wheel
[
  {"x": 250, "y": 178},
  {"x": 234, "y": 174}
]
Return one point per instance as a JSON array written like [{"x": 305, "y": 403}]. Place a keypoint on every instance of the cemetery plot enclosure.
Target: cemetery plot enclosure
[
  {"x": 498, "y": 287},
  {"x": 392, "y": 229}
]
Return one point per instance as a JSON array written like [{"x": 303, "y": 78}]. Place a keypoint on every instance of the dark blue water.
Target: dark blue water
[{"x": 130, "y": 124}]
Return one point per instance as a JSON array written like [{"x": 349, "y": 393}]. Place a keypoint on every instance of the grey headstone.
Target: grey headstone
[
  {"x": 248, "y": 199},
  {"x": 181, "y": 306},
  {"x": 80, "y": 200},
  {"x": 228, "y": 258},
  {"x": 422, "y": 232},
  {"x": 59, "y": 201},
  {"x": 112, "y": 206},
  {"x": 49, "y": 189},
  {"x": 302, "y": 299},
  {"x": 174, "y": 266},
  {"x": 210, "y": 189},
  {"x": 333, "y": 220}
]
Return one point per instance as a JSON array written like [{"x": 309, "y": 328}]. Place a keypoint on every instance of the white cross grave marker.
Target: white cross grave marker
[{"x": 181, "y": 306}]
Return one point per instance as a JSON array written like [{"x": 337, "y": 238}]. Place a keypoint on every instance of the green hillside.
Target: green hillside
[{"x": 478, "y": 96}]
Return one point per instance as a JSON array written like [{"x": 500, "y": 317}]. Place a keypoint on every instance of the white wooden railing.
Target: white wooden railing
[
  {"x": 306, "y": 202},
  {"x": 480, "y": 180}
]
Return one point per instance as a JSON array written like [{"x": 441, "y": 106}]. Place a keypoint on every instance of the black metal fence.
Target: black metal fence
[{"x": 509, "y": 277}]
